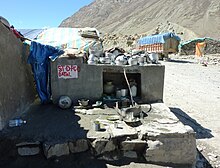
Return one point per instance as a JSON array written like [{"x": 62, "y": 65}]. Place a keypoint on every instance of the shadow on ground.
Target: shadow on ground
[
  {"x": 201, "y": 161},
  {"x": 82, "y": 160},
  {"x": 48, "y": 123},
  {"x": 201, "y": 132},
  {"x": 179, "y": 61},
  {"x": 45, "y": 123}
]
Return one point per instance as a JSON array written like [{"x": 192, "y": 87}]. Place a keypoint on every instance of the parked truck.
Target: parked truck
[{"x": 162, "y": 44}]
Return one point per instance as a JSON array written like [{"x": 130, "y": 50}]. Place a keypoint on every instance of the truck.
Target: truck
[{"x": 162, "y": 44}]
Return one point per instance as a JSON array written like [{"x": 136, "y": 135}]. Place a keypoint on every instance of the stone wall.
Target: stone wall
[{"x": 17, "y": 85}]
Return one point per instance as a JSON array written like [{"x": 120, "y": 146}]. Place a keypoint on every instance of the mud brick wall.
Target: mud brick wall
[{"x": 17, "y": 84}]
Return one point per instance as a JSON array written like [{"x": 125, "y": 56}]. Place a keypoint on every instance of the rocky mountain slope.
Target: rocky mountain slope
[{"x": 189, "y": 18}]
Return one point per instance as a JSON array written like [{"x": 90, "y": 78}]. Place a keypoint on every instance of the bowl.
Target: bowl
[
  {"x": 83, "y": 102},
  {"x": 98, "y": 103}
]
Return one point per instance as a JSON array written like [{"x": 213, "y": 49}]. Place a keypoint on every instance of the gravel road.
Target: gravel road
[{"x": 192, "y": 91}]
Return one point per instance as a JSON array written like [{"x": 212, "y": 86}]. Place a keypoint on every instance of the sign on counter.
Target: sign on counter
[{"x": 67, "y": 71}]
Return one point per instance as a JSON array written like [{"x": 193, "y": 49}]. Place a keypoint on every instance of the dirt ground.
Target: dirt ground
[{"x": 192, "y": 91}]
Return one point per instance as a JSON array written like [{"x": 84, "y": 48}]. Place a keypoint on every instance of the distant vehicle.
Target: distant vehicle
[{"x": 163, "y": 44}]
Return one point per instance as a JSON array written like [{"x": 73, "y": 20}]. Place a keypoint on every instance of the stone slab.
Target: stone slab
[
  {"x": 161, "y": 120},
  {"x": 102, "y": 146},
  {"x": 123, "y": 130},
  {"x": 56, "y": 150},
  {"x": 133, "y": 145},
  {"x": 28, "y": 148},
  {"x": 130, "y": 154},
  {"x": 169, "y": 141},
  {"x": 28, "y": 144},
  {"x": 80, "y": 145},
  {"x": 28, "y": 151}
]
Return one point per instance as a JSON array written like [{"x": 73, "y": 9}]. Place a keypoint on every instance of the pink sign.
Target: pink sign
[{"x": 67, "y": 71}]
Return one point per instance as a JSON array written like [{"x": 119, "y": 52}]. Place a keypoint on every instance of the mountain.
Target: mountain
[{"x": 189, "y": 18}]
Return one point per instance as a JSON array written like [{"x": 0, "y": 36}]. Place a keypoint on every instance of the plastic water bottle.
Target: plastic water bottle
[{"x": 16, "y": 122}]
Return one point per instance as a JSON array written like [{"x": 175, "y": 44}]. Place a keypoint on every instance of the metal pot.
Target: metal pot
[
  {"x": 135, "y": 110},
  {"x": 83, "y": 102},
  {"x": 108, "y": 88},
  {"x": 133, "y": 60}
]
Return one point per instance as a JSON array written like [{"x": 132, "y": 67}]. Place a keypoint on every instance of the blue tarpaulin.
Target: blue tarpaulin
[
  {"x": 39, "y": 60},
  {"x": 158, "y": 38}
]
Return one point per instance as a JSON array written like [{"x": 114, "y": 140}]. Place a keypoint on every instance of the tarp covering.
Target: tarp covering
[
  {"x": 30, "y": 33},
  {"x": 63, "y": 38},
  {"x": 194, "y": 40},
  {"x": 156, "y": 39},
  {"x": 39, "y": 60}
]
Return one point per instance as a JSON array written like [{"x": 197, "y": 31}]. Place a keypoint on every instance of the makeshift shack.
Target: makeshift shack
[
  {"x": 49, "y": 44},
  {"x": 163, "y": 44}
]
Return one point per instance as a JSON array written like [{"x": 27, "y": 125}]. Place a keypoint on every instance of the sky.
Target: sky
[{"x": 31, "y": 14}]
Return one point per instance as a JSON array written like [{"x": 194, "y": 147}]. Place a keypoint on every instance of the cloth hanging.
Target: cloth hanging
[
  {"x": 200, "y": 47},
  {"x": 39, "y": 60}
]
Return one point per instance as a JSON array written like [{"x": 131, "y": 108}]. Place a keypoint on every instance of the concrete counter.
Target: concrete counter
[{"x": 89, "y": 81}]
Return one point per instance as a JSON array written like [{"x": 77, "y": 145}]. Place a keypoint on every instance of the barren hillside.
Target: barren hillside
[{"x": 193, "y": 18}]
